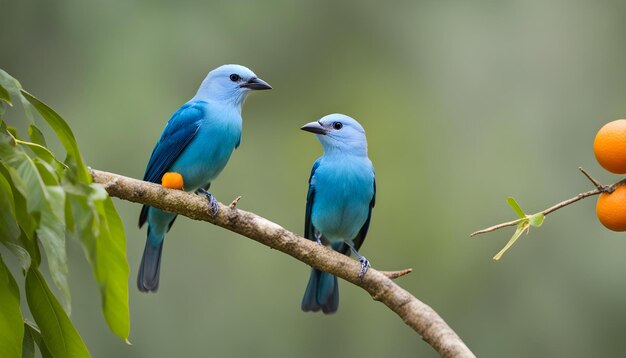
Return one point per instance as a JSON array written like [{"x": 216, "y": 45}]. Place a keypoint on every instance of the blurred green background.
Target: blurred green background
[{"x": 464, "y": 104}]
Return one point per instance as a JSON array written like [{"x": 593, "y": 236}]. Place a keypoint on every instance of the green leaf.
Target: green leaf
[
  {"x": 41, "y": 152},
  {"x": 9, "y": 229},
  {"x": 64, "y": 133},
  {"x": 521, "y": 227},
  {"x": 512, "y": 203},
  {"x": 11, "y": 235},
  {"x": 28, "y": 343},
  {"x": 36, "y": 136},
  {"x": 14, "y": 87},
  {"x": 22, "y": 254},
  {"x": 113, "y": 270},
  {"x": 34, "y": 334},
  {"x": 39, "y": 147},
  {"x": 22, "y": 245},
  {"x": 4, "y": 98},
  {"x": 24, "y": 176},
  {"x": 51, "y": 234},
  {"x": 47, "y": 173},
  {"x": 101, "y": 231},
  {"x": 57, "y": 331},
  {"x": 536, "y": 219},
  {"x": 11, "y": 321},
  {"x": 31, "y": 246},
  {"x": 27, "y": 222},
  {"x": 4, "y": 95},
  {"x": 8, "y": 83}
]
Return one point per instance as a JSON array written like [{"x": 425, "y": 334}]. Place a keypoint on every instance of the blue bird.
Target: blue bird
[
  {"x": 196, "y": 143},
  {"x": 342, "y": 193}
]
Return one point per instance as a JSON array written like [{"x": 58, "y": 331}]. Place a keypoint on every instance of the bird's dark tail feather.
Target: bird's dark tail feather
[
  {"x": 148, "y": 277},
  {"x": 322, "y": 292}
]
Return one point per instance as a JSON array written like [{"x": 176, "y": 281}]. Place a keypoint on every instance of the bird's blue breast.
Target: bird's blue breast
[
  {"x": 343, "y": 192},
  {"x": 206, "y": 155}
]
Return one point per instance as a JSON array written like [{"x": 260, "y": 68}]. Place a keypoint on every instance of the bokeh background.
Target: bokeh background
[{"x": 464, "y": 104}]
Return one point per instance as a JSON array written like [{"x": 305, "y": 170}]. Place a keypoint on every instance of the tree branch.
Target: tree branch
[{"x": 416, "y": 314}]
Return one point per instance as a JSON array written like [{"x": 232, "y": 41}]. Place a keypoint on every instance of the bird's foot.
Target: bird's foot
[
  {"x": 365, "y": 265},
  {"x": 318, "y": 237},
  {"x": 213, "y": 205}
]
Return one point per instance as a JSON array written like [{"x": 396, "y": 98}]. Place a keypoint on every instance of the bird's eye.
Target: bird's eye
[
  {"x": 337, "y": 125},
  {"x": 235, "y": 77}
]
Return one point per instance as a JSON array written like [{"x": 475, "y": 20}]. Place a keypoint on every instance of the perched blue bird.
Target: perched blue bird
[
  {"x": 342, "y": 193},
  {"x": 196, "y": 143}
]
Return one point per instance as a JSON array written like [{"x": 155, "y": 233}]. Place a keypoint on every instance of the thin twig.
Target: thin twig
[
  {"x": 571, "y": 201},
  {"x": 496, "y": 227},
  {"x": 416, "y": 314},
  {"x": 234, "y": 203},
  {"x": 599, "y": 189},
  {"x": 595, "y": 182},
  {"x": 395, "y": 274}
]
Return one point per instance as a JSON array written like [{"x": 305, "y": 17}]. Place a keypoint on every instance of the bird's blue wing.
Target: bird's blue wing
[
  {"x": 360, "y": 237},
  {"x": 309, "y": 230},
  {"x": 180, "y": 130}
]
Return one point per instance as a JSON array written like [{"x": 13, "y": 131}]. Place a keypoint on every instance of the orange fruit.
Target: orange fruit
[
  {"x": 611, "y": 209},
  {"x": 610, "y": 146},
  {"x": 172, "y": 180}
]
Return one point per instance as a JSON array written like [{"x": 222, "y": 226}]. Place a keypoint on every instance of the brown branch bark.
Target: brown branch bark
[{"x": 416, "y": 314}]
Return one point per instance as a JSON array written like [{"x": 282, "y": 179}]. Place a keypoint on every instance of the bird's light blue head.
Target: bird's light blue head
[
  {"x": 339, "y": 133},
  {"x": 229, "y": 83}
]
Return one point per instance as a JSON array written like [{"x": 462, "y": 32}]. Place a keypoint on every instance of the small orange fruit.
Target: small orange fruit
[
  {"x": 172, "y": 180},
  {"x": 610, "y": 146},
  {"x": 611, "y": 209}
]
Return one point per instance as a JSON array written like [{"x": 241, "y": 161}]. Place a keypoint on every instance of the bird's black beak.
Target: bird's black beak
[
  {"x": 314, "y": 127},
  {"x": 256, "y": 84}
]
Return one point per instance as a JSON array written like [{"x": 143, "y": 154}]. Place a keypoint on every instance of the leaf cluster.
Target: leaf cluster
[{"x": 43, "y": 201}]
